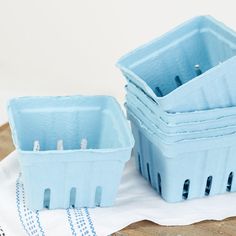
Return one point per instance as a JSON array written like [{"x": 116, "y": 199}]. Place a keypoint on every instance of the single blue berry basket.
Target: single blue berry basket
[
  {"x": 186, "y": 169},
  {"x": 185, "y": 119},
  {"x": 195, "y": 61},
  {"x": 72, "y": 150},
  {"x": 169, "y": 128},
  {"x": 170, "y": 138}
]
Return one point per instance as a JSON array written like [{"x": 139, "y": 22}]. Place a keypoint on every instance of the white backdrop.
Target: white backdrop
[{"x": 71, "y": 47}]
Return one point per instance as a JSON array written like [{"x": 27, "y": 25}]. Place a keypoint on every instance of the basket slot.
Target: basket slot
[
  {"x": 186, "y": 189},
  {"x": 60, "y": 145},
  {"x": 159, "y": 182},
  {"x": 46, "y": 200},
  {"x": 36, "y": 147},
  {"x": 84, "y": 143},
  {"x": 72, "y": 197},
  {"x": 197, "y": 69},
  {"x": 230, "y": 180},
  {"x": 208, "y": 185},
  {"x": 178, "y": 81},
  {"x": 158, "y": 92},
  {"x": 148, "y": 172},
  {"x": 98, "y": 196},
  {"x": 139, "y": 163}
]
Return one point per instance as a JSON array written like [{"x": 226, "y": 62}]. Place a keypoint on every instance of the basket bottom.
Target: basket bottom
[
  {"x": 188, "y": 176},
  {"x": 74, "y": 185}
]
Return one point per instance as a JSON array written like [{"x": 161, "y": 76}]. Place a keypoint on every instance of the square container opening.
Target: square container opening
[
  {"x": 51, "y": 119},
  {"x": 182, "y": 54}
]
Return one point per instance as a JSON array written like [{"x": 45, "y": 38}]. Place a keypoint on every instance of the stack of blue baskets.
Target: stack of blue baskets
[{"x": 181, "y": 101}]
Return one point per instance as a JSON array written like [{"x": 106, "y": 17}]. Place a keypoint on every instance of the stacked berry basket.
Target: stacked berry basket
[{"x": 181, "y": 98}]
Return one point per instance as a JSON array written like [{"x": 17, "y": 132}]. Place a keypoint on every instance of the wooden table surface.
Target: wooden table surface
[{"x": 145, "y": 228}]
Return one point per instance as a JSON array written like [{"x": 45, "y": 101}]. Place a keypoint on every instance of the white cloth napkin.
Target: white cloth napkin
[{"x": 135, "y": 201}]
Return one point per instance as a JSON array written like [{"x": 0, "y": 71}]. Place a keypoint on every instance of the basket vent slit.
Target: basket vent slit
[
  {"x": 47, "y": 196},
  {"x": 139, "y": 163},
  {"x": 159, "y": 182},
  {"x": 72, "y": 197},
  {"x": 148, "y": 172},
  {"x": 230, "y": 180},
  {"x": 208, "y": 185},
  {"x": 186, "y": 189},
  {"x": 159, "y": 92},
  {"x": 197, "y": 69},
  {"x": 98, "y": 196},
  {"x": 178, "y": 81}
]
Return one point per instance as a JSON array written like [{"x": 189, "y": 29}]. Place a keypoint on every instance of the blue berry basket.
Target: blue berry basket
[
  {"x": 72, "y": 150},
  {"x": 170, "y": 128},
  {"x": 195, "y": 61},
  {"x": 186, "y": 169}
]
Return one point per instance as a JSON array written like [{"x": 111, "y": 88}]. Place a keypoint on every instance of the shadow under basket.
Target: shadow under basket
[
  {"x": 196, "y": 60},
  {"x": 72, "y": 150},
  {"x": 186, "y": 169}
]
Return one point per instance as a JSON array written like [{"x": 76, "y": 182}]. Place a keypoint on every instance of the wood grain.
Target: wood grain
[
  {"x": 145, "y": 228},
  {"x": 205, "y": 228},
  {"x": 6, "y": 145}
]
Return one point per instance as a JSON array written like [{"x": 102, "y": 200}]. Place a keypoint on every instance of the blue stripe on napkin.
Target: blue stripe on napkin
[{"x": 79, "y": 220}]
